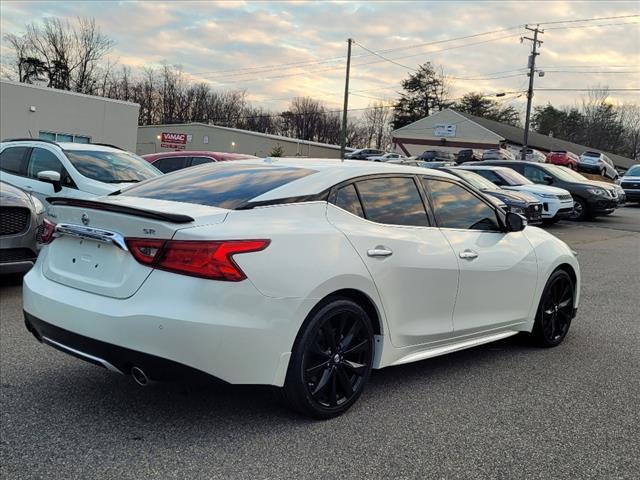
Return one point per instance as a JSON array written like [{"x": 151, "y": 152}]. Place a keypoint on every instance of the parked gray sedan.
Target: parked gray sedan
[{"x": 20, "y": 217}]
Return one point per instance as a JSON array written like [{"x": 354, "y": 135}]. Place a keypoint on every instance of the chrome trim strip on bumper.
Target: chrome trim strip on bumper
[
  {"x": 86, "y": 356},
  {"x": 99, "y": 235}
]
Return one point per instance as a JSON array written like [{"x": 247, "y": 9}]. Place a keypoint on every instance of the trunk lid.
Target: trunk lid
[{"x": 90, "y": 253}]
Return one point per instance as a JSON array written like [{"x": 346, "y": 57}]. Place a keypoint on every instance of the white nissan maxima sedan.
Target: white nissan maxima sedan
[{"x": 302, "y": 274}]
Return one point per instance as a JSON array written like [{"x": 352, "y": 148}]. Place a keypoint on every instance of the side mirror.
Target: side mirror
[
  {"x": 548, "y": 179},
  {"x": 51, "y": 177},
  {"x": 515, "y": 222}
]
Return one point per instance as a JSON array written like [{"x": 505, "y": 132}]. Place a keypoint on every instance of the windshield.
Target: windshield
[
  {"x": 476, "y": 180},
  {"x": 565, "y": 174},
  {"x": 633, "y": 171},
  {"x": 111, "y": 166},
  {"x": 514, "y": 178}
]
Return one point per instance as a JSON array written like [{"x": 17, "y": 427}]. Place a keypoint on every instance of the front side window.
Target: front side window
[
  {"x": 456, "y": 207},
  {"x": 13, "y": 160},
  {"x": 200, "y": 160},
  {"x": 347, "y": 199},
  {"x": 111, "y": 166},
  {"x": 536, "y": 175},
  {"x": 394, "y": 201},
  {"x": 170, "y": 164},
  {"x": 42, "y": 160}
]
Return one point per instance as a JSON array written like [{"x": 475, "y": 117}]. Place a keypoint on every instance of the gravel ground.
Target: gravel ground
[{"x": 504, "y": 410}]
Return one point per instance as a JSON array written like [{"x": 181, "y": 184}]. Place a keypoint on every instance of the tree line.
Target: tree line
[{"x": 75, "y": 56}]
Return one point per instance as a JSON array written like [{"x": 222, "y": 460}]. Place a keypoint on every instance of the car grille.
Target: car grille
[
  {"x": 13, "y": 220},
  {"x": 564, "y": 197},
  {"x": 16, "y": 255},
  {"x": 631, "y": 185}
]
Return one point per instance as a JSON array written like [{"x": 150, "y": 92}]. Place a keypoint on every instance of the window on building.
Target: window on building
[{"x": 64, "y": 137}]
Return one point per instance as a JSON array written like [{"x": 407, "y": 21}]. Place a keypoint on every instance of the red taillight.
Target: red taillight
[
  {"x": 205, "y": 259},
  {"x": 144, "y": 250},
  {"x": 44, "y": 234}
]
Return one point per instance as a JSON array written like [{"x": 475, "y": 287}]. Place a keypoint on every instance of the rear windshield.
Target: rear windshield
[
  {"x": 111, "y": 166},
  {"x": 217, "y": 185}
]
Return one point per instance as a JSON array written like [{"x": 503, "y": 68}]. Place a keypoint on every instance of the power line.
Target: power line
[
  {"x": 593, "y": 26},
  {"x": 588, "y": 89},
  {"x": 384, "y": 58},
  {"x": 587, "y": 20}
]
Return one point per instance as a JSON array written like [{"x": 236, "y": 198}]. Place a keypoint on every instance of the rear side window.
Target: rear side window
[
  {"x": 347, "y": 199},
  {"x": 170, "y": 164},
  {"x": 13, "y": 160},
  {"x": 223, "y": 185},
  {"x": 394, "y": 201},
  {"x": 456, "y": 207}
]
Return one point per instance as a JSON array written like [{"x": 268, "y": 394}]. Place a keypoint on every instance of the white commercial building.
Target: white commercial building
[
  {"x": 30, "y": 111},
  {"x": 201, "y": 136}
]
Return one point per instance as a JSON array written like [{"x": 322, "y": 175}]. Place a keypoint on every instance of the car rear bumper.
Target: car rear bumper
[
  {"x": 589, "y": 168},
  {"x": 229, "y": 331}
]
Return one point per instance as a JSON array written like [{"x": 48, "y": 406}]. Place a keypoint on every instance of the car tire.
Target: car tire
[
  {"x": 555, "y": 311},
  {"x": 580, "y": 211},
  {"x": 331, "y": 360}
]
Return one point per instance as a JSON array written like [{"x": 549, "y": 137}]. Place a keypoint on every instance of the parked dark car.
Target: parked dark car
[
  {"x": 516, "y": 202},
  {"x": 21, "y": 215},
  {"x": 171, "y": 161},
  {"x": 590, "y": 198},
  {"x": 436, "y": 156},
  {"x": 467, "y": 155},
  {"x": 630, "y": 183},
  {"x": 363, "y": 153},
  {"x": 596, "y": 162},
  {"x": 564, "y": 159}
]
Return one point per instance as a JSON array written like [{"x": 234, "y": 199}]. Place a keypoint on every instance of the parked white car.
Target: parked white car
[
  {"x": 303, "y": 274},
  {"x": 386, "y": 157},
  {"x": 79, "y": 170},
  {"x": 532, "y": 155},
  {"x": 557, "y": 203}
]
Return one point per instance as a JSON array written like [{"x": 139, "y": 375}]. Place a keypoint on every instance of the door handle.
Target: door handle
[
  {"x": 468, "y": 254},
  {"x": 379, "y": 252}
]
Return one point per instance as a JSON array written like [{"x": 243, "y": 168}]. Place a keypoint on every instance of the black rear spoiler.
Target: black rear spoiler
[{"x": 110, "y": 207}]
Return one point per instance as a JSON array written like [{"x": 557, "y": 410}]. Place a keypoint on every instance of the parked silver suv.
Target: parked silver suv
[{"x": 21, "y": 216}]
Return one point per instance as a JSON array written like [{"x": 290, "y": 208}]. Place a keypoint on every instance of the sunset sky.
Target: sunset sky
[{"x": 280, "y": 50}]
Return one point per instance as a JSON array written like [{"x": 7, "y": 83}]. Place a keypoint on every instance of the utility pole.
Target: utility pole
[
  {"x": 343, "y": 144},
  {"x": 532, "y": 70}
]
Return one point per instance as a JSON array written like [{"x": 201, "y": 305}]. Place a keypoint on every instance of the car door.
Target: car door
[
  {"x": 411, "y": 262},
  {"x": 498, "y": 270},
  {"x": 40, "y": 160},
  {"x": 13, "y": 164}
]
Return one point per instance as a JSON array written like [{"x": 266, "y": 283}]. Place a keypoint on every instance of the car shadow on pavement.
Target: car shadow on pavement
[{"x": 115, "y": 399}]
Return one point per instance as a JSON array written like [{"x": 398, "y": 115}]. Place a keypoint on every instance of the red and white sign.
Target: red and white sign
[{"x": 174, "y": 138}]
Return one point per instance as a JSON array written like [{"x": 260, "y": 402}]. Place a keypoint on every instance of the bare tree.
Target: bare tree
[
  {"x": 629, "y": 116},
  {"x": 376, "y": 125}
]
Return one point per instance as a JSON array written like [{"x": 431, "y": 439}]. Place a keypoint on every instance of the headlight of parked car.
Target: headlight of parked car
[
  {"x": 601, "y": 192},
  {"x": 37, "y": 205},
  {"x": 518, "y": 210}
]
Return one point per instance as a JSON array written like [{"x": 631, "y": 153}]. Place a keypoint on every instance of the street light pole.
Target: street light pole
[
  {"x": 532, "y": 70},
  {"x": 343, "y": 143}
]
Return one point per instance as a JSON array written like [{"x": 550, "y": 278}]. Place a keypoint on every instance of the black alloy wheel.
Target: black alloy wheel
[
  {"x": 555, "y": 310},
  {"x": 579, "y": 209},
  {"x": 331, "y": 361}
]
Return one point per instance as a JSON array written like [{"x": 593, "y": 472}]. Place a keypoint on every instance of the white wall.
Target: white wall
[{"x": 102, "y": 120}]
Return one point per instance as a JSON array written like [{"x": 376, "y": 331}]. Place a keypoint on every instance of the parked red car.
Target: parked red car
[
  {"x": 171, "y": 161},
  {"x": 564, "y": 159}
]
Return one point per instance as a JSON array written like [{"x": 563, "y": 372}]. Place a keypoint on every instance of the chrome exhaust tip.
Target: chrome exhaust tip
[{"x": 139, "y": 376}]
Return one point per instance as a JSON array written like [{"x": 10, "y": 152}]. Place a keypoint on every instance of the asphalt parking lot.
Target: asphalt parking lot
[{"x": 503, "y": 410}]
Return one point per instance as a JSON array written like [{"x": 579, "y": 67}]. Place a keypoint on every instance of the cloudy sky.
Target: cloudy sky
[{"x": 279, "y": 50}]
